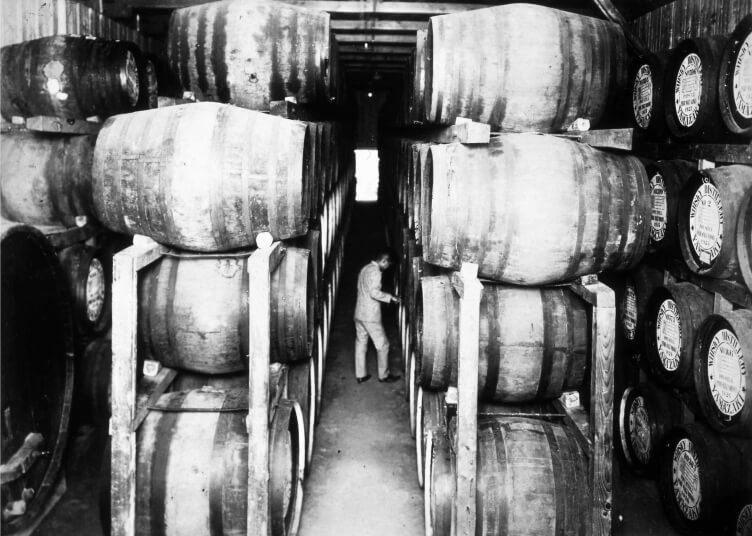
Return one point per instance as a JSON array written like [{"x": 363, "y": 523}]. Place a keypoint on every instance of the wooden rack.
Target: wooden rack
[
  {"x": 131, "y": 398},
  {"x": 593, "y": 428},
  {"x": 56, "y": 125}
]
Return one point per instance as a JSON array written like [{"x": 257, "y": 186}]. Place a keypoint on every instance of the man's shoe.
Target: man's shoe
[
  {"x": 390, "y": 378},
  {"x": 364, "y": 378}
]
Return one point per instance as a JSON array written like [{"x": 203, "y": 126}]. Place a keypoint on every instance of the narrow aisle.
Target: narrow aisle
[{"x": 363, "y": 481}]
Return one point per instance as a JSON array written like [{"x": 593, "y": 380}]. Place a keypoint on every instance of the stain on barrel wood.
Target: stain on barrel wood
[
  {"x": 530, "y": 220},
  {"x": 570, "y": 67},
  {"x": 250, "y": 53},
  {"x": 46, "y": 179},
  {"x": 67, "y": 76},
  {"x": 202, "y": 177}
]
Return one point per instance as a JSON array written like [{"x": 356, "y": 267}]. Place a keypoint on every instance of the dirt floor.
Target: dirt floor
[{"x": 363, "y": 480}]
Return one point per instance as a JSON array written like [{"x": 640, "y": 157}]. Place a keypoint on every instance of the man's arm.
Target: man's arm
[{"x": 374, "y": 288}]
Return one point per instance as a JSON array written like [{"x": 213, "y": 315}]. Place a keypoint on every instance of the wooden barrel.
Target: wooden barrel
[
  {"x": 148, "y": 91},
  {"x": 690, "y": 96},
  {"x": 722, "y": 371},
  {"x": 46, "y": 179},
  {"x": 744, "y": 521},
  {"x": 439, "y": 489},
  {"x": 192, "y": 465},
  {"x": 673, "y": 316},
  {"x": 37, "y": 373},
  {"x": 646, "y": 75},
  {"x": 744, "y": 240},
  {"x": 301, "y": 387},
  {"x": 66, "y": 76},
  {"x": 93, "y": 381},
  {"x": 531, "y": 478},
  {"x": 418, "y": 105},
  {"x": 632, "y": 300},
  {"x": 193, "y": 311},
  {"x": 530, "y": 220},
  {"x": 89, "y": 275},
  {"x": 532, "y": 342},
  {"x": 667, "y": 178},
  {"x": 182, "y": 176},
  {"x": 570, "y": 67},
  {"x": 429, "y": 418},
  {"x": 708, "y": 214},
  {"x": 646, "y": 415},
  {"x": 735, "y": 79},
  {"x": 249, "y": 53},
  {"x": 700, "y": 476}
]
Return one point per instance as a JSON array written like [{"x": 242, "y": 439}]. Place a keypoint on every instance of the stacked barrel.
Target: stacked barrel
[
  {"x": 683, "y": 340},
  {"x": 532, "y": 211},
  {"x": 57, "y": 267}
]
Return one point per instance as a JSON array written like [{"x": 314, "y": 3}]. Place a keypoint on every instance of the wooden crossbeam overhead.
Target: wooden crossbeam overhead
[
  {"x": 341, "y": 26},
  {"x": 344, "y": 7},
  {"x": 372, "y": 67},
  {"x": 378, "y": 39},
  {"x": 376, "y": 49},
  {"x": 374, "y": 58}
]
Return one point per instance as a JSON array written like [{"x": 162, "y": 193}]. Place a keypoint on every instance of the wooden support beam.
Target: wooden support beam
[
  {"x": 427, "y": 9},
  {"x": 370, "y": 25},
  {"x": 375, "y": 58},
  {"x": 375, "y": 39},
  {"x": 360, "y": 48}
]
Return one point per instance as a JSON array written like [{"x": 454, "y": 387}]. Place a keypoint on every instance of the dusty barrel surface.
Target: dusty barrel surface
[
  {"x": 690, "y": 96},
  {"x": 532, "y": 342},
  {"x": 646, "y": 75},
  {"x": 66, "y": 76},
  {"x": 37, "y": 372},
  {"x": 89, "y": 274},
  {"x": 570, "y": 67},
  {"x": 46, "y": 179},
  {"x": 701, "y": 476},
  {"x": 193, "y": 312},
  {"x": 723, "y": 371},
  {"x": 735, "y": 79},
  {"x": 674, "y": 314},
  {"x": 530, "y": 220},
  {"x": 250, "y": 53},
  {"x": 192, "y": 465},
  {"x": 202, "y": 177},
  {"x": 708, "y": 216},
  {"x": 667, "y": 178}
]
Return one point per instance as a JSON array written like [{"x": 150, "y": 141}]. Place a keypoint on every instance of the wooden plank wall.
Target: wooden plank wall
[
  {"x": 666, "y": 26},
  {"x": 23, "y": 20}
]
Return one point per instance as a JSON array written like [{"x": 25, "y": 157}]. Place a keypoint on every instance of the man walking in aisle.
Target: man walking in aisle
[{"x": 368, "y": 318}]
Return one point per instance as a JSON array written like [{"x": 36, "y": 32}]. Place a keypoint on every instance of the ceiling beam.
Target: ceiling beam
[
  {"x": 376, "y": 49},
  {"x": 376, "y": 39},
  {"x": 374, "y": 58},
  {"x": 378, "y": 26}
]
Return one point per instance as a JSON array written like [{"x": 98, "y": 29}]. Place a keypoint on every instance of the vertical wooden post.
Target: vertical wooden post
[
  {"x": 261, "y": 264},
  {"x": 469, "y": 288}
]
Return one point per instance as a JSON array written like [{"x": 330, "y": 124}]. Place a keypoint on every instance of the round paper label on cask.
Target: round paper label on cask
[
  {"x": 659, "y": 211},
  {"x": 686, "y": 479},
  {"x": 629, "y": 312},
  {"x": 668, "y": 335},
  {"x": 744, "y": 521},
  {"x": 688, "y": 90},
  {"x": 742, "y": 81},
  {"x": 639, "y": 430},
  {"x": 726, "y": 372},
  {"x": 642, "y": 96},
  {"x": 95, "y": 290},
  {"x": 129, "y": 79},
  {"x": 706, "y": 222}
]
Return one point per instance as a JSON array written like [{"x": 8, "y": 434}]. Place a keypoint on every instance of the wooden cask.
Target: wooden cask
[
  {"x": 531, "y": 478},
  {"x": 430, "y": 418},
  {"x": 530, "y": 220},
  {"x": 250, "y": 53},
  {"x": 735, "y": 80},
  {"x": 439, "y": 490},
  {"x": 701, "y": 476},
  {"x": 302, "y": 387},
  {"x": 667, "y": 179},
  {"x": 632, "y": 299},
  {"x": 193, "y": 311},
  {"x": 418, "y": 103},
  {"x": 67, "y": 76},
  {"x": 148, "y": 92},
  {"x": 89, "y": 274},
  {"x": 708, "y": 215},
  {"x": 646, "y": 75},
  {"x": 744, "y": 240},
  {"x": 532, "y": 342},
  {"x": 202, "y": 177},
  {"x": 46, "y": 179},
  {"x": 690, "y": 96},
  {"x": 94, "y": 381},
  {"x": 723, "y": 371},
  {"x": 192, "y": 465},
  {"x": 647, "y": 414},
  {"x": 744, "y": 521},
  {"x": 37, "y": 372},
  {"x": 569, "y": 67},
  {"x": 673, "y": 316}
]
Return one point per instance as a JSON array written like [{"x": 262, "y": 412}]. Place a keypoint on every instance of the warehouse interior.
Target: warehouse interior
[{"x": 193, "y": 191}]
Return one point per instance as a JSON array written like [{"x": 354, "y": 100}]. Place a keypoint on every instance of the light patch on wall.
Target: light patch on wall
[{"x": 367, "y": 174}]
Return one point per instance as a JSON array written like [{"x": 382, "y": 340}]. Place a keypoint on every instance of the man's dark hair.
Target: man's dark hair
[{"x": 382, "y": 253}]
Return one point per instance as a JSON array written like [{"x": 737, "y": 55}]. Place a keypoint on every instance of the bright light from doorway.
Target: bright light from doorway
[{"x": 367, "y": 174}]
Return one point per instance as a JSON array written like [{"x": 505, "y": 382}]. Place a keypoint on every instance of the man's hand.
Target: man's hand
[{"x": 395, "y": 299}]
